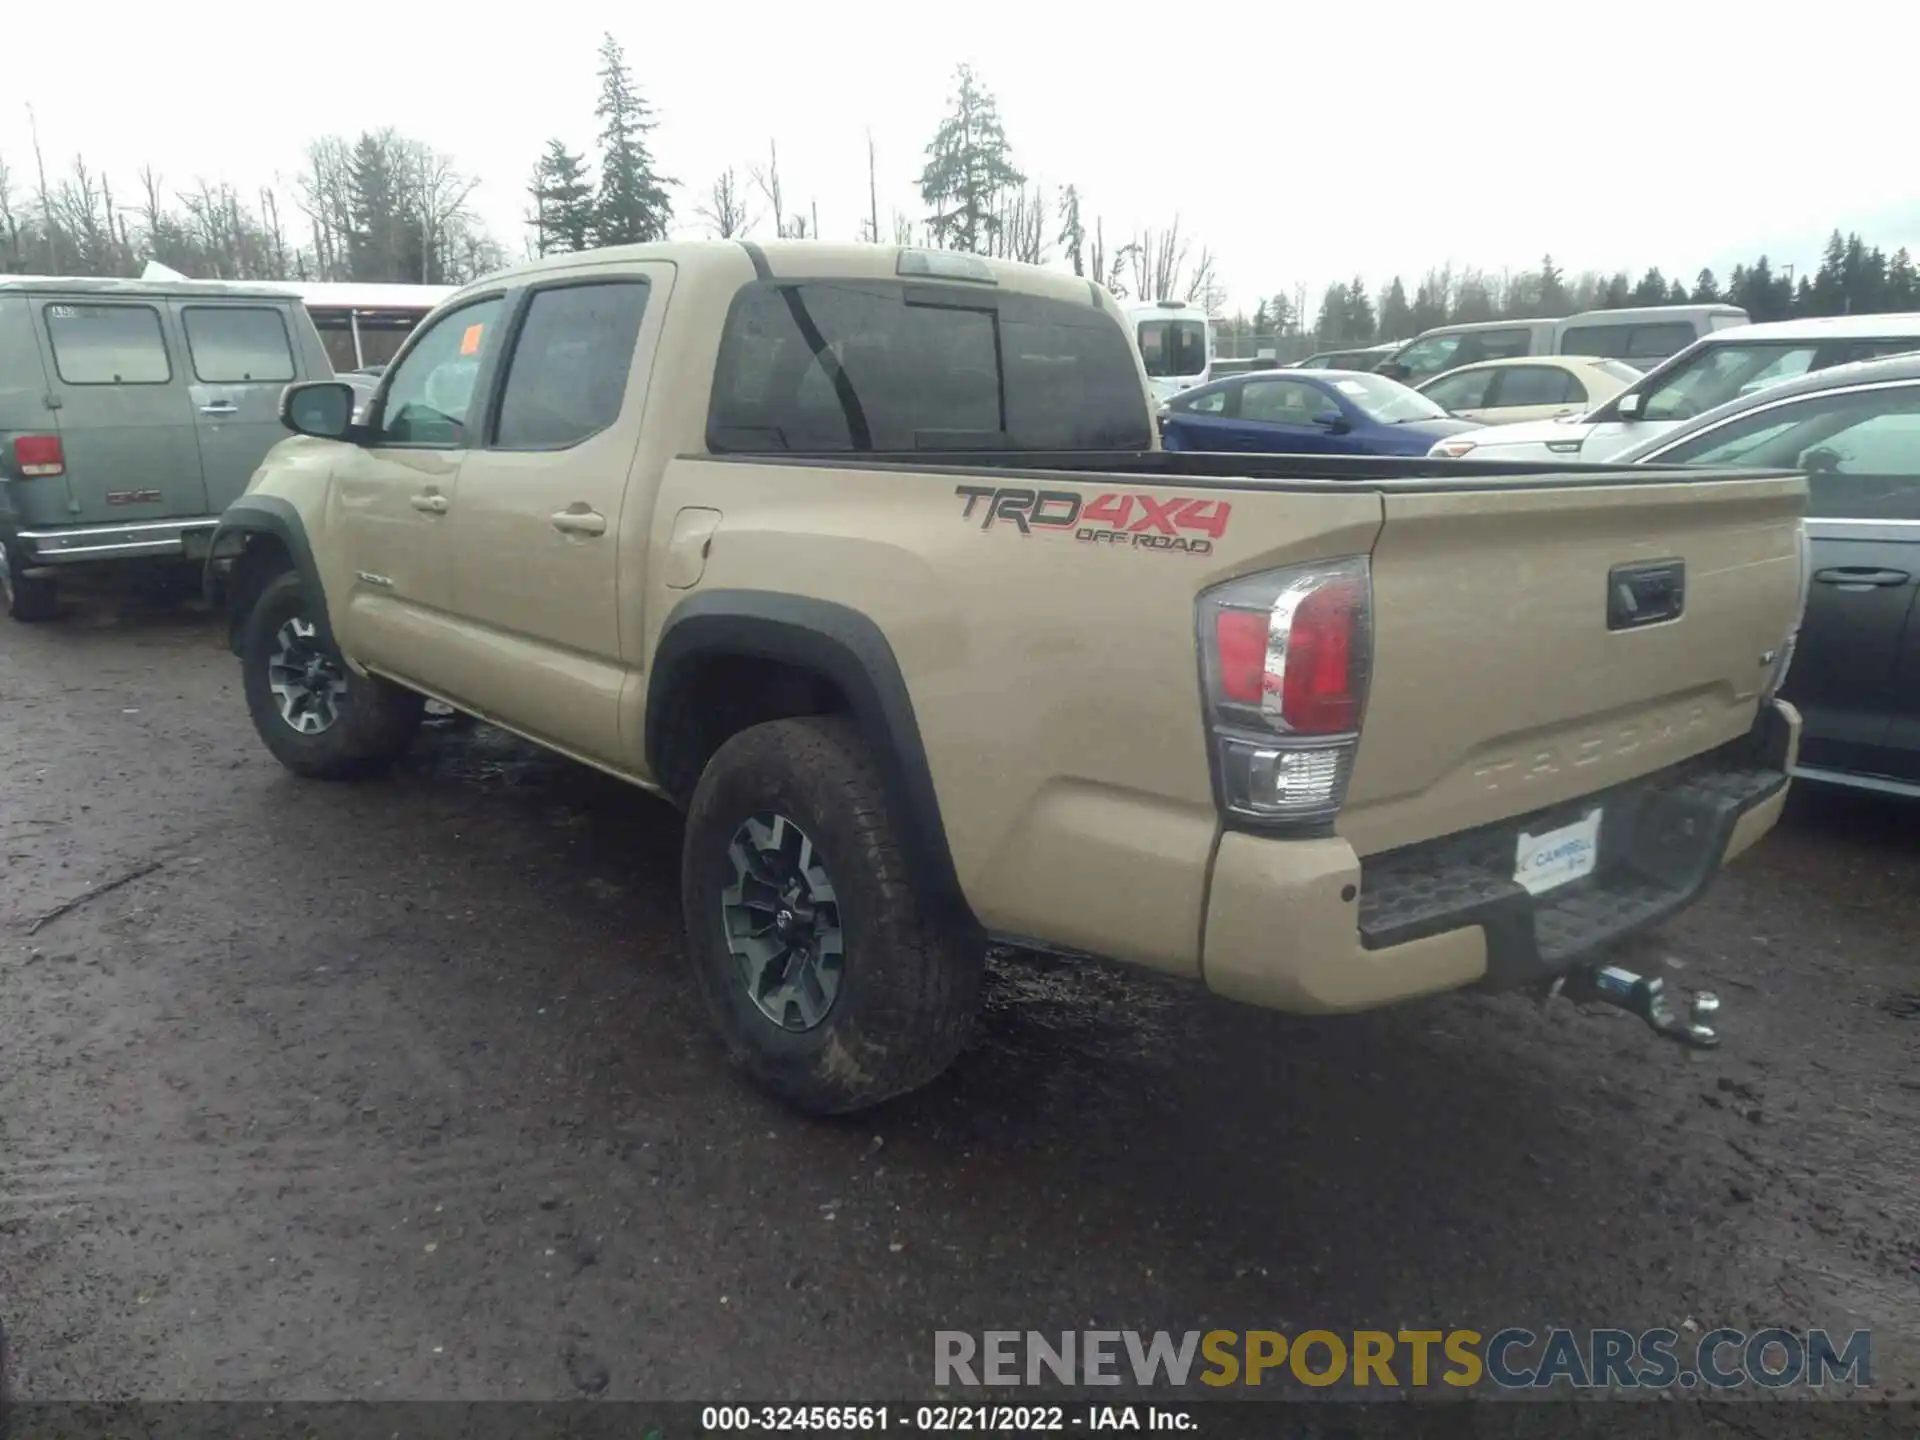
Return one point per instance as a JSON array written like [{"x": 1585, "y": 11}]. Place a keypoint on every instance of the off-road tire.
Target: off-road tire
[
  {"x": 909, "y": 981},
  {"x": 377, "y": 719},
  {"x": 27, "y": 600}
]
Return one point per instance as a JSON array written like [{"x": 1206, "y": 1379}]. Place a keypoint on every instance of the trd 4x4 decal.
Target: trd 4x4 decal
[{"x": 1141, "y": 522}]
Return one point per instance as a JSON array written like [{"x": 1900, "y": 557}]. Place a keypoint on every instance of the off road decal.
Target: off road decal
[{"x": 1138, "y": 522}]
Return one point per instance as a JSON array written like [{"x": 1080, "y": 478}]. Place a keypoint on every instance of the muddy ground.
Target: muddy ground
[{"x": 396, "y": 1090}]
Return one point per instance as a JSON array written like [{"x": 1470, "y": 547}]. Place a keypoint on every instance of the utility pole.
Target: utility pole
[{"x": 873, "y": 194}]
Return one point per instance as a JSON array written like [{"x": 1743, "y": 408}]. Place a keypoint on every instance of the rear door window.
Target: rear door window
[
  {"x": 567, "y": 373},
  {"x": 108, "y": 344},
  {"x": 1462, "y": 390},
  {"x": 1493, "y": 345},
  {"x": 1650, "y": 344},
  {"x": 1538, "y": 385},
  {"x": 1607, "y": 340},
  {"x": 235, "y": 345},
  {"x": 832, "y": 366}
]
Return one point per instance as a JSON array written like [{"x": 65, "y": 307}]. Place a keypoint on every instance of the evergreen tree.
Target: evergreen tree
[
  {"x": 1652, "y": 289},
  {"x": 1552, "y": 300},
  {"x": 1331, "y": 327},
  {"x": 1706, "y": 289},
  {"x": 1360, "y": 321},
  {"x": 563, "y": 202},
  {"x": 969, "y": 165},
  {"x": 1902, "y": 292},
  {"x": 1829, "y": 290},
  {"x": 1396, "y": 315},
  {"x": 633, "y": 204},
  {"x": 1618, "y": 294}
]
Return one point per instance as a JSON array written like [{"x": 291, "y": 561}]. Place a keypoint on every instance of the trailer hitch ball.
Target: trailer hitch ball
[{"x": 1646, "y": 996}]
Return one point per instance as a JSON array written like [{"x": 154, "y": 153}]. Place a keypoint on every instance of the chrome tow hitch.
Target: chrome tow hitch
[{"x": 1645, "y": 996}]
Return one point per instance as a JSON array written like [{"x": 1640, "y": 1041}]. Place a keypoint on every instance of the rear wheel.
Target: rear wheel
[
  {"x": 832, "y": 983},
  {"x": 318, "y": 718},
  {"x": 27, "y": 598}
]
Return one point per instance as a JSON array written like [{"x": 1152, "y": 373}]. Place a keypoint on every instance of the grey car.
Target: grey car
[
  {"x": 1855, "y": 676},
  {"x": 131, "y": 413}
]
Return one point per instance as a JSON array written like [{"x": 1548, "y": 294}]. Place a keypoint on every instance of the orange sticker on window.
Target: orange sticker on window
[{"x": 470, "y": 342}]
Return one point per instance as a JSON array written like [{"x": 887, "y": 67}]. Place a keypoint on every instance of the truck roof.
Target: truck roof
[
  {"x": 815, "y": 259},
  {"x": 155, "y": 289}
]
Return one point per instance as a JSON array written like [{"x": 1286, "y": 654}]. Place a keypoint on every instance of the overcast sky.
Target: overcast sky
[{"x": 1302, "y": 143}]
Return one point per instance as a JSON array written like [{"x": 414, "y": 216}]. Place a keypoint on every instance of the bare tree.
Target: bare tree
[
  {"x": 768, "y": 182},
  {"x": 1019, "y": 229},
  {"x": 1164, "y": 268},
  {"x": 726, "y": 207},
  {"x": 873, "y": 196}
]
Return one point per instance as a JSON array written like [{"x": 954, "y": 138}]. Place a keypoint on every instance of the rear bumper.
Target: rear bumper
[
  {"x": 78, "y": 544},
  {"x": 1306, "y": 926}
]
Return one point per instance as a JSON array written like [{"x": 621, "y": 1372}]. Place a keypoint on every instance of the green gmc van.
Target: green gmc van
[{"x": 131, "y": 413}]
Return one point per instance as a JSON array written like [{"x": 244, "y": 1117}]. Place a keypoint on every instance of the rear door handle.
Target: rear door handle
[
  {"x": 1861, "y": 575},
  {"x": 429, "y": 504},
  {"x": 579, "y": 521},
  {"x": 219, "y": 407}
]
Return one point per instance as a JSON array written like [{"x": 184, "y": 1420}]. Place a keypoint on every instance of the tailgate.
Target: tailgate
[{"x": 1501, "y": 683}]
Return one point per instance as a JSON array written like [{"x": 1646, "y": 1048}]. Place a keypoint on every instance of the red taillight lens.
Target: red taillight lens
[
  {"x": 1285, "y": 656},
  {"x": 38, "y": 455},
  {"x": 1241, "y": 639},
  {"x": 1319, "y": 693}
]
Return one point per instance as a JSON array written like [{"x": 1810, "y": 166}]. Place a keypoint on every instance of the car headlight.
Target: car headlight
[{"x": 1453, "y": 449}]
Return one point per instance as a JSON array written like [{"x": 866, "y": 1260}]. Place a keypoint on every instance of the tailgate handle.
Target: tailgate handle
[
  {"x": 1860, "y": 575},
  {"x": 218, "y": 407},
  {"x": 1645, "y": 593}
]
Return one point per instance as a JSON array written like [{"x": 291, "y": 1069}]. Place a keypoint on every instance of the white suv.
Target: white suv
[{"x": 1714, "y": 369}]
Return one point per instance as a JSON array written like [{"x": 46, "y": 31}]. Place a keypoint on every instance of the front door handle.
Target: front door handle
[
  {"x": 429, "y": 504},
  {"x": 577, "y": 519},
  {"x": 1861, "y": 575},
  {"x": 219, "y": 407}
]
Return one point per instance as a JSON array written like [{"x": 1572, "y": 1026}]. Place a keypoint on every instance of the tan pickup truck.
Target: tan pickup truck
[{"x": 867, "y": 559}]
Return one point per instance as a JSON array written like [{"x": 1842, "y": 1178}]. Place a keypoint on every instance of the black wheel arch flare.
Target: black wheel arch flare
[
  {"x": 268, "y": 515},
  {"x": 841, "y": 646}
]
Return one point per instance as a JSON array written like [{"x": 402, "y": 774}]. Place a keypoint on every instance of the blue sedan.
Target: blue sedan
[{"x": 1320, "y": 412}]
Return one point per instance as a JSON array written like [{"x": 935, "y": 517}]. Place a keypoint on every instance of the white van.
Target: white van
[
  {"x": 1176, "y": 345},
  {"x": 1720, "y": 367},
  {"x": 1641, "y": 337}
]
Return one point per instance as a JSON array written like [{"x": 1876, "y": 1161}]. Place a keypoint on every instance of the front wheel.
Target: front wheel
[
  {"x": 831, "y": 981},
  {"x": 318, "y": 718}
]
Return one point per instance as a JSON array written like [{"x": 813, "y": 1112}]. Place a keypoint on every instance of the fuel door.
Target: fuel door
[{"x": 689, "y": 545}]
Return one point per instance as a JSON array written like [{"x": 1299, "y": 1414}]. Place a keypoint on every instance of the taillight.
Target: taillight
[
  {"x": 1285, "y": 657},
  {"x": 38, "y": 455}
]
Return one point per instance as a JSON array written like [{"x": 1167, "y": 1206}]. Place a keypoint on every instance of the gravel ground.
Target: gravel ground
[{"x": 395, "y": 1090}]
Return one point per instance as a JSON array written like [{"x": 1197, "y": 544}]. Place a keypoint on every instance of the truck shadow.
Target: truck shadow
[{"x": 1230, "y": 1155}]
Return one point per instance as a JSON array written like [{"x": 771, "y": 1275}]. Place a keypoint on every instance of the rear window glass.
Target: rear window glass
[
  {"x": 233, "y": 345},
  {"x": 567, "y": 375},
  {"x": 885, "y": 366},
  {"x": 108, "y": 344}
]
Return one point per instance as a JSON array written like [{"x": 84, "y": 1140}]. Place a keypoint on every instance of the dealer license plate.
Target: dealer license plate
[{"x": 1558, "y": 857}]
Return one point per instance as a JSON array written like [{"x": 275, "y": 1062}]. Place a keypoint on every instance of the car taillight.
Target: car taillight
[
  {"x": 1285, "y": 656},
  {"x": 39, "y": 455}
]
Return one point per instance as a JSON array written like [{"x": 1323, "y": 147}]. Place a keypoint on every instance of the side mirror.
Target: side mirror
[
  {"x": 1332, "y": 421},
  {"x": 1629, "y": 406},
  {"x": 1392, "y": 369},
  {"x": 323, "y": 408}
]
